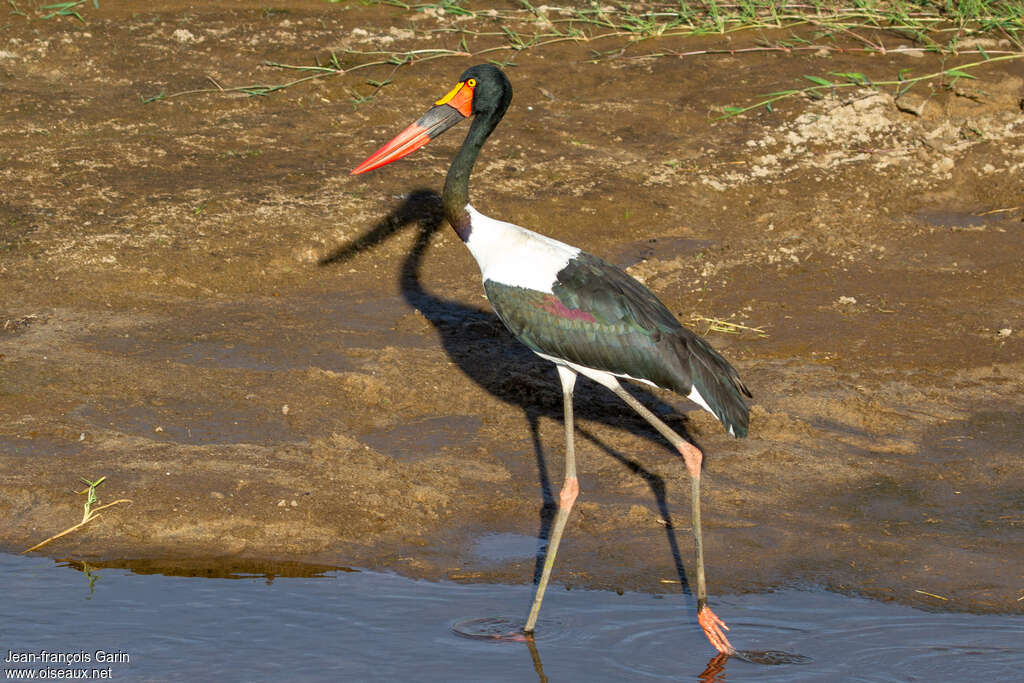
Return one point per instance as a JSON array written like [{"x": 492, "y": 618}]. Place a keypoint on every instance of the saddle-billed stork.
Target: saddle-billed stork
[{"x": 587, "y": 316}]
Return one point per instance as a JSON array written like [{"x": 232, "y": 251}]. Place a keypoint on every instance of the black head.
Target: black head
[
  {"x": 482, "y": 91},
  {"x": 493, "y": 91}
]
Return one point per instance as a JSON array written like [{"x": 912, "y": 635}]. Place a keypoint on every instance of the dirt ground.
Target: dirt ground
[{"x": 285, "y": 366}]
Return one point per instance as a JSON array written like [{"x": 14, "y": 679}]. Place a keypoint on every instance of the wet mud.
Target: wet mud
[{"x": 279, "y": 363}]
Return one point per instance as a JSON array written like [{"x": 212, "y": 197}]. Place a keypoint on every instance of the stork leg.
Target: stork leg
[
  {"x": 570, "y": 489},
  {"x": 707, "y": 619}
]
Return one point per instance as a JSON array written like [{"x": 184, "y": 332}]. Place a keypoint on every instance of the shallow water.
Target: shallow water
[{"x": 345, "y": 625}]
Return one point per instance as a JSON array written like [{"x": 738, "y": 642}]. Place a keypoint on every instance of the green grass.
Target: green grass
[
  {"x": 616, "y": 31},
  {"x": 57, "y": 9},
  {"x": 942, "y": 20},
  {"x": 947, "y": 78}
]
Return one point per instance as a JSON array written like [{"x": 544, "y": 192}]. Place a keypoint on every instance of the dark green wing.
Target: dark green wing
[{"x": 601, "y": 318}]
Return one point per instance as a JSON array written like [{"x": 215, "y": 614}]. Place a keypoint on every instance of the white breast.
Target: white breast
[{"x": 515, "y": 256}]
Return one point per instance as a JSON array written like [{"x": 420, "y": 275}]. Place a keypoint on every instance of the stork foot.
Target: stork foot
[{"x": 713, "y": 626}]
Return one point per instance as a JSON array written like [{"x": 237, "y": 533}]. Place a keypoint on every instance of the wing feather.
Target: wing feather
[{"x": 602, "y": 318}]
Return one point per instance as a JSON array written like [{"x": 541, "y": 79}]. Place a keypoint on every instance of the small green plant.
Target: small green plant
[
  {"x": 15, "y": 10},
  {"x": 90, "y": 498},
  {"x": 89, "y": 513},
  {"x": 67, "y": 9}
]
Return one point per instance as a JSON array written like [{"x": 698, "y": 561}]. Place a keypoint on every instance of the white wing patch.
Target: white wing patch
[
  {"x": 610, "y": 380},
  {"x": 515, "y": 256},
  {"x": 695, "y": 396},
  {"x": 602, "y": 377}
]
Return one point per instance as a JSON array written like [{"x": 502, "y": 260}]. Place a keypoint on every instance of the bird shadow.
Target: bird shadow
[{"x": 481, "y": 346}]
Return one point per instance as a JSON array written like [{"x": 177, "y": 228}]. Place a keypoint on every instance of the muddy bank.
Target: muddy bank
[{"x": 191, "y": 308}]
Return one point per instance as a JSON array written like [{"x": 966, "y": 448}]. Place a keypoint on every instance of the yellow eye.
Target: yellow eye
[{"x": 471, "y": 83}]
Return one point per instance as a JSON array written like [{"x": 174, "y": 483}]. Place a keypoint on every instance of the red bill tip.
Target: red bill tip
[{"x": 403, "y": 144}]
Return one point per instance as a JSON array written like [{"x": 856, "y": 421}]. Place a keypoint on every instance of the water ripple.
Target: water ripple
[{"x": 371, "y": 626}]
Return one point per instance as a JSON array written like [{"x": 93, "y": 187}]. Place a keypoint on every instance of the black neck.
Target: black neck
[{"x": 456, "y": 185}]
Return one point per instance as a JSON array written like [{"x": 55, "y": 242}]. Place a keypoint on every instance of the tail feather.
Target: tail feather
[{"x": 717, "y": 383}]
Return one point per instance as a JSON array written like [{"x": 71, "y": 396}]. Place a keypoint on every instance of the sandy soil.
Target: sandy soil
[{"x": 279, "y": 363}]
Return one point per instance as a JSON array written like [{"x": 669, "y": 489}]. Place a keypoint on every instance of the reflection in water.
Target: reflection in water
[
  {"x": 344, "y": 625},
  {"x": 535, "y": 656},
  {"x": 770, "y": 657},
  {"x": 87, "y": 570},
  {"x": 715, "y": 670},
  {"x": 508, "y": 630},
  {"x": 504, "y": 629}
]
